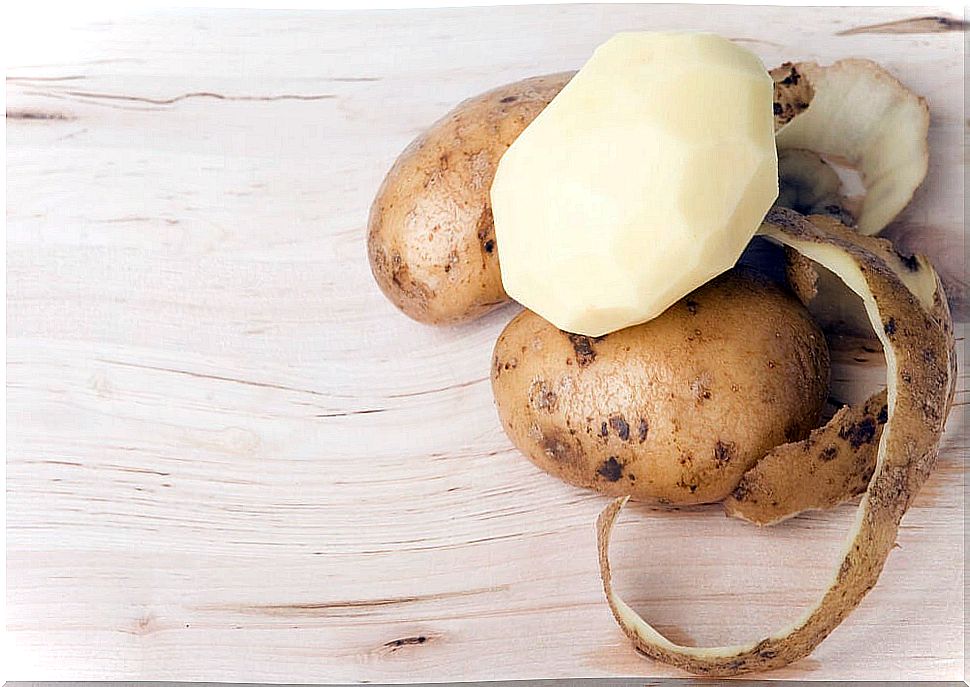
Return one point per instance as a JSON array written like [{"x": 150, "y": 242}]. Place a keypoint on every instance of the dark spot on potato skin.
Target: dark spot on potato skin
[
  {"x": 859, "y": 433},
  {"x": 583, "y": 347},
  {"x": 793, "y": 432},
  {"x": 689, "y": 486},
  {"x": 542, "y": 397},
  {"x": 699, "y": 390},
  {"x": 691, "y": 306},
  {"x": 828, "y": 454},
  {"x": 561, "y": 450},
  {"x": 792, "y": 78},
  {"x": 724, "y": 451},
  {"x": 604, "y": 431},
  {"x": 642, "y": 430},
  {"x": 407, "y": 287},
  {"x": 621, "y": 427},
  {"x": 776, "y": 108},
  {"x": 890, "y": 326},
  {"x": 611, "y": 470},
  {"x": 742, "y": 491},
  {"x": 909, "y": 261},
  {"x": 485, "y": 230},
  {"x": 508, "y": 99},
  {"x": 883, "y": 416},
  {"x": 452, "y": 261}
]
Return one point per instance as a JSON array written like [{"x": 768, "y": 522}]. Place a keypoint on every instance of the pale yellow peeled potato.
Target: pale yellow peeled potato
[{"x": 643, "y": 179}]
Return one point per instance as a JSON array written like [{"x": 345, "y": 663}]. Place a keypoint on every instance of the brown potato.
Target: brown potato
[
  {"x": 431, "y": 241},
  {"x": 674, "y": 410}
]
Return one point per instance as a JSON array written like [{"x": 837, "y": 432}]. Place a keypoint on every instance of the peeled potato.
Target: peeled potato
[
  {"x": 674, "y": 410},
  {"x": 431, "y": 239},
  {"x": 642, "y": 180}
]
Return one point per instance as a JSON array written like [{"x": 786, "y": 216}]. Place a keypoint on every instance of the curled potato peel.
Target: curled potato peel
[
  {"x": 831, "y": 466},
  {"x": 856, "y": 112},
  {"x": 917, "y": 335},
  {"x": 810, "y": 186}
]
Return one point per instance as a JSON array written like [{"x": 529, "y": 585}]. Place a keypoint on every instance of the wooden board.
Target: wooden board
[{"x": 229, "y": 458}]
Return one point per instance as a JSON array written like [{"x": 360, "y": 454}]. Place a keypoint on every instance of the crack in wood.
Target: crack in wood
[
  {"x": 38, "y": 115},
  {"x": 283, "y": 387},
  {"x": 219, "y": 378},
  {"x": 142, "y": 471},
  {"x": 930, "y": 24},
  {"x": 353, "y": 79},
  {"x": 328, "y": 607},
  {"x": 74, "y": 77},
  {"x": 439, "y": 389},
  {"x": 405, "y": 641},
  {"x": 366, "y": 411},
  {"x": 396, "y": 645},
  {"x": 197, "y": 94}
]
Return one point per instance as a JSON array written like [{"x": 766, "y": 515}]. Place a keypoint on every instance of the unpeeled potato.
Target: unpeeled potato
[
  {"x": 675, "y": 409},
  {"x": 431, "y": 240}
]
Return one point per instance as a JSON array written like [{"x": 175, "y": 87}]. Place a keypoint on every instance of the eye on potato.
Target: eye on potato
[
  {"x": 673, "y": 410},
  {"x": 431, "y": 239}
]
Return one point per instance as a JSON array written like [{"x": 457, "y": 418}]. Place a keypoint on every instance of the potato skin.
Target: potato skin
[
  {"x": 431, "y": 241},
  {"x": 674, "y": 410}
]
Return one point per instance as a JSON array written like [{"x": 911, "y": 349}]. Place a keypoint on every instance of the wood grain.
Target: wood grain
[{"x": 229, "y": 458}]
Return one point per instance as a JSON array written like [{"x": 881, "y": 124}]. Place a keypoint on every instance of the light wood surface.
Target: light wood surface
[{"x": 229, "y": 458}]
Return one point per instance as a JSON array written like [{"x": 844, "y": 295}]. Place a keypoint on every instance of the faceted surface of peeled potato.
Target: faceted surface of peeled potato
[{"x": 642, "y": 180}]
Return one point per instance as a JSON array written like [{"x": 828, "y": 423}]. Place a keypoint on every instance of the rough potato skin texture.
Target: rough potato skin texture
[
  {"x": 793, "y": 93},
  {"x": 833, "y": 465},
  {"x": 922, "y": 374},
  {"x": 431, "y": 241},
  {"x": 674, "y": 410}
]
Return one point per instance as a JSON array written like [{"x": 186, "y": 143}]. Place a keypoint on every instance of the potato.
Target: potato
[
  {"x": 431, "y": 240},
  {"x": 645, "y": 178},
  {"x": 675, "y": 409}
]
